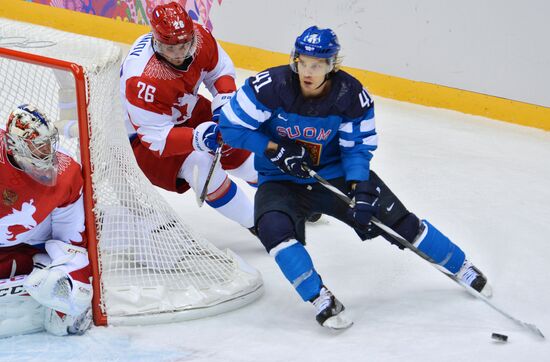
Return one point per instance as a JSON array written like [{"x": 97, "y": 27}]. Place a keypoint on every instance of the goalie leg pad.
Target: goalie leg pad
[
  {"x": 440, "y": 248},
  {"x": 19, "y": 312},
  {"x": 60, "y": 324},
  {"x": 297, "y": 266}
]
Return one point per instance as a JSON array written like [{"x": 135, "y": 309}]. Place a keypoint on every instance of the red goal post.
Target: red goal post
[{"x": 148, "y": 265}]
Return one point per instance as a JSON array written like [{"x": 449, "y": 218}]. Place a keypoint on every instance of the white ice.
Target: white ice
[{"x": 485, "y": 183}]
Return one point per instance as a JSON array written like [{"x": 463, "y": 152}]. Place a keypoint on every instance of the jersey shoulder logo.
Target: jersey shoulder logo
[
  {"x": 23, "y": 218},
  {"x": 158, "y": 70}
]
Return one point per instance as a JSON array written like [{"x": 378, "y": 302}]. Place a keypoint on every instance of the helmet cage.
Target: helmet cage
[{"x": 32, "y": 140}]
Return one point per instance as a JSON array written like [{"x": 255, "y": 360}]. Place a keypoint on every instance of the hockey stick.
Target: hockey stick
[
  {"x": 217, "y": 155},
  {"x": 405, "y": 243}
]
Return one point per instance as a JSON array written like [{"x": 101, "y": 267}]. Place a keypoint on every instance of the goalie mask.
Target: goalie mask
[
  {"x": 174, "y": 35},
  {"x": 31, "y": 140}
]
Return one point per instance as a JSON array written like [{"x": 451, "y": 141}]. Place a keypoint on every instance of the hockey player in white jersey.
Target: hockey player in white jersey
[
  {"x": 173, "y": 129},
  {"x": 44, "y": 268},
  {"x": 311, "y": 113}
]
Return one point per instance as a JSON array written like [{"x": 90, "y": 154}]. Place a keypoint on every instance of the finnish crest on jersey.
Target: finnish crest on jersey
[
  {"x": 9, "y": 197},
  {"x": 314, "y": 150}
]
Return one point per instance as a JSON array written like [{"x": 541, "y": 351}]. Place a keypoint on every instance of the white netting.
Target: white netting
[{"x": 150, "y": 260}]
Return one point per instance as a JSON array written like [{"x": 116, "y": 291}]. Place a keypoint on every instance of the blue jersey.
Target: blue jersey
[{"x": 337, "y": 129}]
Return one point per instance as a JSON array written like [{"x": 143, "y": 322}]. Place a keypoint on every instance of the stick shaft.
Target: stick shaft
[
  {"x": 404, "y": 242},
  {"x": 215, "y": 160}
]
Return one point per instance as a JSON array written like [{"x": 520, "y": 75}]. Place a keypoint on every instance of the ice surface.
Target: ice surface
[{"x": 484, "y": 183}]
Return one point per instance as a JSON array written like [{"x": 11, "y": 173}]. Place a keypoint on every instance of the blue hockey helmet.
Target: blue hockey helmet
[{"x": 318, "y": 43}]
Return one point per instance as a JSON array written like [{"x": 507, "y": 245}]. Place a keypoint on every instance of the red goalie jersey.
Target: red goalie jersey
[{"x": 32, "y": 213}]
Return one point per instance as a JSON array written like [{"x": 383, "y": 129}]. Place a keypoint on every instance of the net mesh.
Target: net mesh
[{"x": 150, "y": 260}]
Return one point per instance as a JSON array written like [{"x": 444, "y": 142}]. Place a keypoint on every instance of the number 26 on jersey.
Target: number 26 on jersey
[{"x": 146, "y": 92}]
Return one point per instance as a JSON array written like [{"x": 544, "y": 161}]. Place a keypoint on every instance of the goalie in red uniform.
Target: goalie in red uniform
[
  {"x": 172, "y": 128},
  {"x": 44, "y": 270}
]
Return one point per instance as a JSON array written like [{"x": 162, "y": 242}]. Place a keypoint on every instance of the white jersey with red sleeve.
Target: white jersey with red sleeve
[
  {"x": 159, "y": 99},
  {"x": 32, "y": 213}
]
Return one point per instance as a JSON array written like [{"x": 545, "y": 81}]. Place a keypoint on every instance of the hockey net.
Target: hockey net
[{"x": 148, "y": 265}]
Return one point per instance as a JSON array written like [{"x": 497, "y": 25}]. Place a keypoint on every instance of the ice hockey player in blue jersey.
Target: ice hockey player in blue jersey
[{"x": 313, "y": 113}]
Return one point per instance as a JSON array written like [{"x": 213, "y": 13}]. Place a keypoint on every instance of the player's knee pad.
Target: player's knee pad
[
  {"x": 273, "y": 228},
  {"x": 439, "y": 248},
  {"x": 297, "y": 266},
  {"x": 63, "y": 285},
  {"x": 408, "y": 227}
]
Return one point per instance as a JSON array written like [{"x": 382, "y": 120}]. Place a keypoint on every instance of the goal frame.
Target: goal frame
[{"x": 81, "y": 89}]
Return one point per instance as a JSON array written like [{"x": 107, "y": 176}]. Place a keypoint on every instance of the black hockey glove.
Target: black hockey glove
[
  {"x": 289, "y": 158},
  {"x": 367, "y": 203}
]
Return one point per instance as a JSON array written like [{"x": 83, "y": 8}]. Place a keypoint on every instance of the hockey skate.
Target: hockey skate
[
  {"x": 330, "y": 312},
  {"x": 317, "y": 219},
  {"x": 473, "y": 277},
  {"x": 314, "y": 217}
]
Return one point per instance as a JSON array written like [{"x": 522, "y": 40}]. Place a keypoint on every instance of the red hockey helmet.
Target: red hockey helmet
[{"x": 171, "y": 24}]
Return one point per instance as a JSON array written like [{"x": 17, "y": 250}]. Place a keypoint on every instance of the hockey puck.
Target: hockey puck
[{"x": 499, "y": 337}]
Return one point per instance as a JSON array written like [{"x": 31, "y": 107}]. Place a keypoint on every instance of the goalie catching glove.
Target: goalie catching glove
[{"x": 54, "y": 286}]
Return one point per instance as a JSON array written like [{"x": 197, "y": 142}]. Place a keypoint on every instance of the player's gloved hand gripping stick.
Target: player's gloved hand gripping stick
[
  {"x": 530, "y": 327},
  {"x": 289, "y": 157}
]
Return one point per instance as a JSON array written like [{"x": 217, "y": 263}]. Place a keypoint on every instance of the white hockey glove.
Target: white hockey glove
[
  {"x": 205, "y": 137},
  {"x": 53, "y": 286}
]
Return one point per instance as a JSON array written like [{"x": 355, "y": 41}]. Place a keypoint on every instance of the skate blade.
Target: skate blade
[
  {"x": 487, "y": 290},
  {"x": 322, "y": 221},
  {"x": 338, "y": 322}
]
